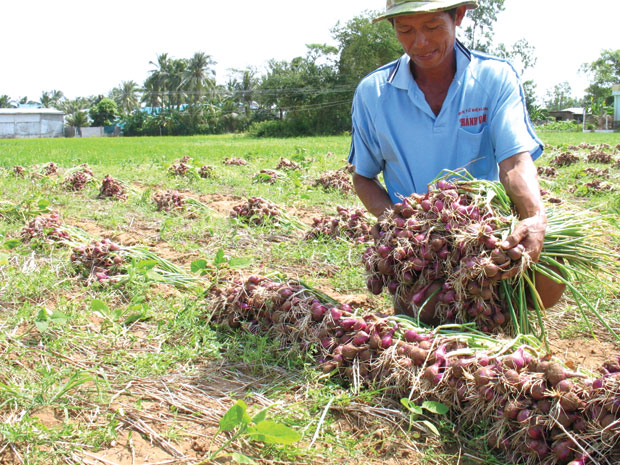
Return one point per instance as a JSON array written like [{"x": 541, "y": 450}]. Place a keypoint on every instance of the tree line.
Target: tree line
[{"x": 308, "y": 95}]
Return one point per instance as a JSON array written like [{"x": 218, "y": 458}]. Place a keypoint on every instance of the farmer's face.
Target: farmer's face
[{"x": 428, "y": 38}]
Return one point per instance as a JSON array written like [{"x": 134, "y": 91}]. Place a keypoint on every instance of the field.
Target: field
[{"x": 130, "y": 368}]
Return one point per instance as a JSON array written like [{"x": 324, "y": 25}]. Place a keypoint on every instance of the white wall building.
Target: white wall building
[
  {"x": 28, "y": 123},
  {"x": 616, "y": 93}
]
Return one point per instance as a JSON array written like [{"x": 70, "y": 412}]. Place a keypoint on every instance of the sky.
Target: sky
[{"x": 87, "y": 48}]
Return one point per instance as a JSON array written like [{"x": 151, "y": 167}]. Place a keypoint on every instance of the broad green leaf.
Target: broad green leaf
[
  {"x": 239, "y": 262},
  {"x": 435, "y": 407},
  {"x": 236, "y": 415},
  {"x": 430, "y": 426},
  {"x": 270, "y": 432},
  {"x": 43, "y": 204},
  {"x": 198, "y": 265},
  {"x": 146, "y": 264},
  {"x": 260, "y": 416},
  {"x": 4, "y": 259},
  {"x": 58, "y": 317},
  {"x": 219, "y": 258},
  {"x": 411, "y": 407},
  {"x": 42, "y": 326},
  {"x": 136, "y": 317},
  {"x": 100, "y": 307},
  {"x": 240, "y": 458},
  {"x": 153, "y": 275},
  {"x": 12, "y": 243}
]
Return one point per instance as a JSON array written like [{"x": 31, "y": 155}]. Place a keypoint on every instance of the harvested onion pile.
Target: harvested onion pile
[
  {"x": 112, "y": 188},
  {"x": 286, "y": 164},
  {"x": 257, "y": 211},
  {"x": 547, "y": 171},
  {"x": 50, "y": 169},
  {"x": 169, "y": 200},
  {"x": 19, "y": 171},
  {"x": 100, "y": 260},
  {"x": 339, "y": 180},
  {"x": 78, "y": 178},
  {"x": 267, "y": 176},
  {"x": 179, "y": 169},
  {"x": 533, "y": 410},
  {"x": 47, "y": 228},
  {"x": 565, "y": 159},
  {"x": 445, "y": 243},
  {"x": 235, "y": 161},
  {"x": 599, "y": 157},
  {"x": 206, "y": 172},
  {"x": 350, "y": 223}
]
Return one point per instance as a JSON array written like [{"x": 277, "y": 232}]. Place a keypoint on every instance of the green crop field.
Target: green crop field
[{"x": 131, "y": 361}]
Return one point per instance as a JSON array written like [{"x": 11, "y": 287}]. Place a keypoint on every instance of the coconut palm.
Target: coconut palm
[
  {"x": 243, "y": 86},
  {"x": 6, "y": 102},
  {"x": 126, "y": 96},
  {"x": 51, "y": 99},
  {"x": 77, "y": 120},
  {"x": 155, "y": 84},
  {"x": 198, "y": 76}
]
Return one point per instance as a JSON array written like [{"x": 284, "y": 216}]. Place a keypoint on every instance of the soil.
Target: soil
[{"x": 584, "y": 353}]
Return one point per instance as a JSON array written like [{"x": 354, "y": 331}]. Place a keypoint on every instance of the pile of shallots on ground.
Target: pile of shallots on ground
[{"x": 533, "y": 409}]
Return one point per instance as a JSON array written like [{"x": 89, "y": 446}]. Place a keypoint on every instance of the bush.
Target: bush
[
  {"x": 566, "y": 126},
  {"x": 279, "y": 128},
  {"x": 104, "y": 113}
]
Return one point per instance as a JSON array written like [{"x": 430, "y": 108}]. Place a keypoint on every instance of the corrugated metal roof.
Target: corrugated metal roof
[
  {"x": 30, "y": 111},
  {"x": 574, "y": 110}
]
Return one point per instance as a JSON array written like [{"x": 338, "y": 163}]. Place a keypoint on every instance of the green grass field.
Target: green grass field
[{"x": 134, "y": 371}]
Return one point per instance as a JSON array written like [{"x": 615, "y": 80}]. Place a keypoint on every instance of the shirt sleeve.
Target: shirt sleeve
[
  {"x": 365, "y": 152},
  {"x": 510, "y": 126}
]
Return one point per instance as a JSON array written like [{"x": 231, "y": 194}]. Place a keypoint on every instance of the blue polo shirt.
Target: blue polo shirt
[{"x": 482, "y": 122}]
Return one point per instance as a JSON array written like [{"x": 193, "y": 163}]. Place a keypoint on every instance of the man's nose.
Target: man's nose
[{"x": 419, "y": 40}]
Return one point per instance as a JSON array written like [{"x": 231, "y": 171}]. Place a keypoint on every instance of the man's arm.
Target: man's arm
[
  {"x": 519, "y": 177},
  {"x": 372, "y": 194}
]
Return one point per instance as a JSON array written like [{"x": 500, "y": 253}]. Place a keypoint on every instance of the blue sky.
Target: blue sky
[{"x": 85, "y": 48}]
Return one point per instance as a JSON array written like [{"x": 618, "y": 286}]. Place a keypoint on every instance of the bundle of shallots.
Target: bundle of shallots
[
  {"x": 46, "y": 228},
  {"x": 100, "y": 260},
  {"x": 112, "y": 188},
  {"x": 442, "y": 252},
  {"x": 349, "y": 223},
  {"x": 531, "y": 408}
]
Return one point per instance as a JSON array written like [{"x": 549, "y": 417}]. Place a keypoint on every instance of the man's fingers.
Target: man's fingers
[{"x": 515, "y": 238}]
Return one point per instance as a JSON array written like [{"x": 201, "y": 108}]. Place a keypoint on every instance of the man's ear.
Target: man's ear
[{"x": 460, "y": 14}]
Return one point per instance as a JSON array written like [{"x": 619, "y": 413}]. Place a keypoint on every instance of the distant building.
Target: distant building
[
  {"x": 568, "y": 114},
  {"x": 30, "y": 123}
]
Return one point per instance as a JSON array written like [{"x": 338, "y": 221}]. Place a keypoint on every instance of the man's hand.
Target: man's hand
[{"x": 529, "y": 232}]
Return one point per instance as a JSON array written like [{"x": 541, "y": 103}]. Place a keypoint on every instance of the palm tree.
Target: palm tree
[
  {"x": 46, "y": 100},
  {"x": 243, "y": 88},
  {"x": 198, "y": 76},
  {"x": 77, "y": 120},
  {"x": 126, "y": 96},
  {"x": 157, "y": 83},
  {"x": 5, "y": 101}
]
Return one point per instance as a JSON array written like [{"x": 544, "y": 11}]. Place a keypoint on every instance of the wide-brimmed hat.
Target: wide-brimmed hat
[{"x": 408, "y": 7}]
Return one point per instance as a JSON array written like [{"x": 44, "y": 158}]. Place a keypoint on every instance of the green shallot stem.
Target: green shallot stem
[{"x": 538, "y": 306}]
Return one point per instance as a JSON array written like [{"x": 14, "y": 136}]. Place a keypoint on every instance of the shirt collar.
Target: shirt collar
[{"x": 402, "y": 78}]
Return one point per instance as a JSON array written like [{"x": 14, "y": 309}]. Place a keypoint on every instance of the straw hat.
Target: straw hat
[{"x": 408, "y": 7}]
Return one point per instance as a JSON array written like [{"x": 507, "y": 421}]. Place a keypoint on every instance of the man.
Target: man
[{"x": 441, "y": 106}]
